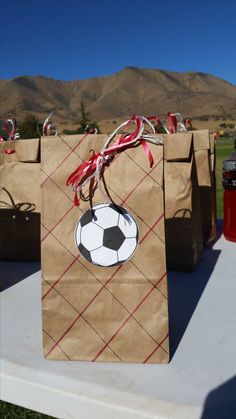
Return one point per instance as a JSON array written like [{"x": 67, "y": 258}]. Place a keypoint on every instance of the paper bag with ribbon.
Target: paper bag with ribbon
[
  {"x": 205, "y": 156},
  {"x": 183, "y": 222},
  {"x": 194, "y": 150},
  {"x": 20, "y": 200},
  {"x": 213, "y": 174},
  {"x": 104, "y": 283}
]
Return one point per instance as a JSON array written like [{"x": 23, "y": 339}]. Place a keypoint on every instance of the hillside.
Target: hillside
[{"x": 132, "y": 90}]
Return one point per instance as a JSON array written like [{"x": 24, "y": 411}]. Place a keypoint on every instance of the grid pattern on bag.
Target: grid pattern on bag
[{"x": 102, "y": 314}]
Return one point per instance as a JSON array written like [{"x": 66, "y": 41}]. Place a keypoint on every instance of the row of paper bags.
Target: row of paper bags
[{"x": 117, "y": 313}]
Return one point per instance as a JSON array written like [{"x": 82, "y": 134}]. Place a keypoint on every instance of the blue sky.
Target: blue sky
[{"x": 78, "y": 39}]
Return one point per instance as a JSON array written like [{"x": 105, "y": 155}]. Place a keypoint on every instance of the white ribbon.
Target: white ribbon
[
  {"x": 48, "y": 124},
  {"x": 150, "y": 137},
  {"x": 16, "y": 136}
]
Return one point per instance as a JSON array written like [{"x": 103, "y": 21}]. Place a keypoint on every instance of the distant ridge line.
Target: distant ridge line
[{"x": 131, "y": 90}]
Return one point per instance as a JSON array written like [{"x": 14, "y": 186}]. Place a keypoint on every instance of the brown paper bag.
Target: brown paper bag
[
  {"x": 213, "y": 152},
  {"x": 205, "y": 173},
  {"x": 183, "y": 224},
  {"x": 213, "y": 173},
  {"x": 20, "y": 200},
  {"x": 110, "y": 314}
]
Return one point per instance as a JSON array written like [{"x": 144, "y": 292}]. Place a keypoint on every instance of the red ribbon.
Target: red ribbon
[
  {"x": 188, "y": 123},
  {"x": 147, "y": 151},
  {"x": 9, "y": 151},
  {"x": 156, "y": 119},
  {"x": 172, "y": 122},
  {"x": 47, "y": 128},
  {"x": 11, "y": 134},
  {"x": 88, "y": 168}
]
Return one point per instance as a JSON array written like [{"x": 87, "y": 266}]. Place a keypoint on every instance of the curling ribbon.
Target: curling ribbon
[
  {"x": 47, "y": 125},
  {"x": 154, "y": 119},
  {"x": 175, "y": 124},
  {"x": 159, "y": 123},
  {"x": 91, "y": 171},
  {"x": 90, "y": 130},
  {"x": 172, "y": 122},
  {"x": 188, "y": 124},
  {"x": 11, "y": 132},
  {"x": 9, "y": 151}
]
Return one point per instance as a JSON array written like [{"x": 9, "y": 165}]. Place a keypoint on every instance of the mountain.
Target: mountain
[{"x": 132, "y": 90}]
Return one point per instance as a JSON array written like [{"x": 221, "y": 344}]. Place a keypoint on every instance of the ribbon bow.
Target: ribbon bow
[
  {"x": 175, "y": 124},
  {"x": 92, "y": 170},
  {"x": 10, "y": 127}
]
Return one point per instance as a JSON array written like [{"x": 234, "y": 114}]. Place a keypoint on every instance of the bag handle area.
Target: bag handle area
[{"x": 22, "y": 206}]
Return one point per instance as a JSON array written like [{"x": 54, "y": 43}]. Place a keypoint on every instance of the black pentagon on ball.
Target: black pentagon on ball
[
  {"x": 86, "y": 218},
  {"x": 113, "y": 238},
  {"x": 84, "y": 252}
]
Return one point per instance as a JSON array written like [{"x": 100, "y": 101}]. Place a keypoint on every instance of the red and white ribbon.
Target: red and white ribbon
[
  {"x": 175, "y": 123},
  {"x": 159, "y": 123},
  {"x": 10, "y": 127},
  {"x": 47, "y": 125},
  {"x": 188, "y": 123},
  {"x": 90, "y": 130},
  {"x": 92, "y": 170}
]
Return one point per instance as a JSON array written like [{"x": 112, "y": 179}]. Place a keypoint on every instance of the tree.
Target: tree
[
  {"x": 84, "y": 120},
  {"x": 85, "y": 123},
  {"x": 29, "y": 127}
]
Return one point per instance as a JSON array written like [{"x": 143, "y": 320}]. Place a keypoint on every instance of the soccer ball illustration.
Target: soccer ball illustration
[{"x": 106, "y": 235}]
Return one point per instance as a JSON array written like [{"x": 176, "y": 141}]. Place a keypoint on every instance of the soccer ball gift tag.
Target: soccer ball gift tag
[{"x": 106, "y": 235}]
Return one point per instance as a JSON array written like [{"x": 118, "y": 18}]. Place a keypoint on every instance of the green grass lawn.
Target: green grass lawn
[
  {"x": 11, "y": 411},
  {"x": 224, "y": 147}
]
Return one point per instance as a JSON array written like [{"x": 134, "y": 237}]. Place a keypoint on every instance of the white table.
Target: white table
[{"x": 198, "y": 382}]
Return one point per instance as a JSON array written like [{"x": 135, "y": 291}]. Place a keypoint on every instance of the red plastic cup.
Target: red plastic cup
[{"x": 230, "y": 215}]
